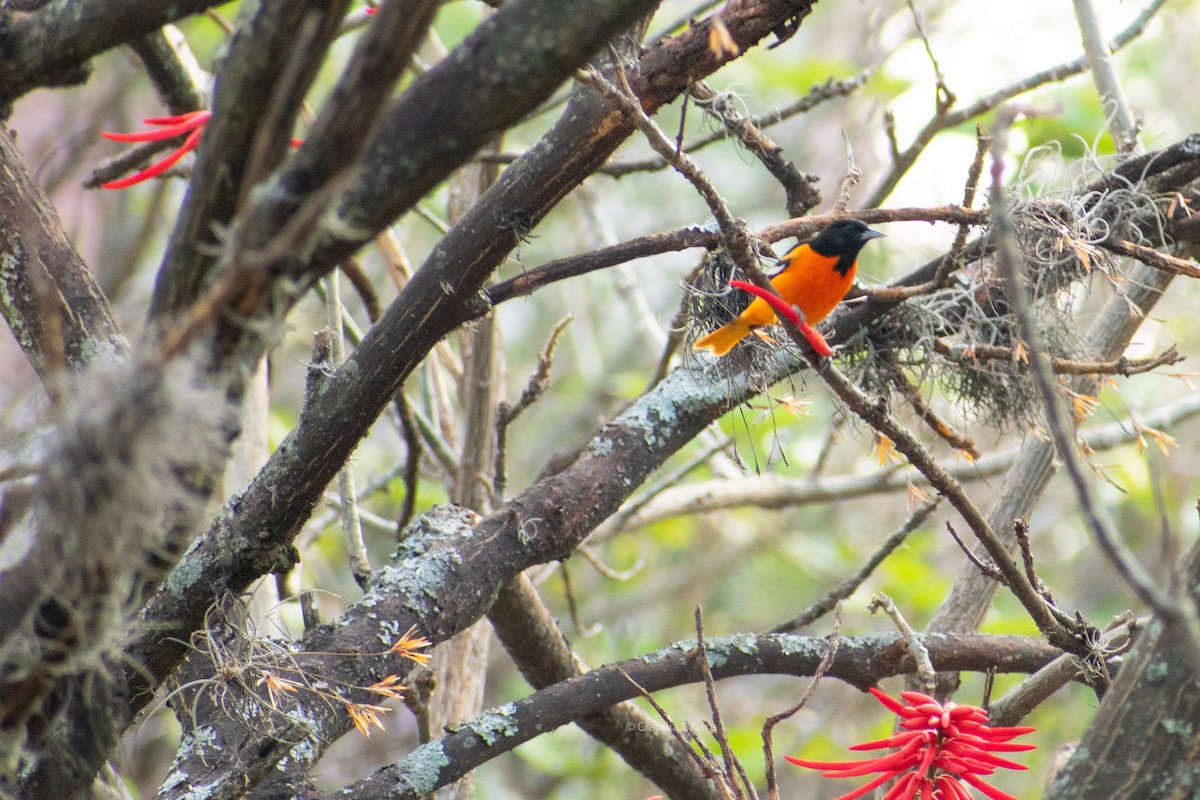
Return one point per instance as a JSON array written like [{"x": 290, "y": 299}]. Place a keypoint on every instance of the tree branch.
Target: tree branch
[
  {"x": 539, "y": 649},
  {"x": 48, "y": 296},
  {"x": 860, "y": 661},
  {"x": 51, "y": 46},
  {"x": 311, "y": 455},
  {"x": 272, "y": 60}
]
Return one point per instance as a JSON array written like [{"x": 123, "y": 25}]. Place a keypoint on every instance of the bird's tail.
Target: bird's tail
[{"x": 722, "y": 340}]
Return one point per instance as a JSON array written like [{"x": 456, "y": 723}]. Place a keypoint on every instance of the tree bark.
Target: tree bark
[
  {"x": 52, "y": 304},
  {"x": 1145, "y": 740}
]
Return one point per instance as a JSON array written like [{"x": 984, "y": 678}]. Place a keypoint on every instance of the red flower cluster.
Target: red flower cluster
[
  {"x": 191, "y": 123},
  {"x": 941, "y": 748}
]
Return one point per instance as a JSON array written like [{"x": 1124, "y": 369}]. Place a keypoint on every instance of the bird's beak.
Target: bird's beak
[{"x": 869, "y": 234}]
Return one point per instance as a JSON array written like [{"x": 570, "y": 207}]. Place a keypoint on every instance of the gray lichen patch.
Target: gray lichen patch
[
  {"x": 496, "y": 724},
  {"x": 420, "y": 771}
]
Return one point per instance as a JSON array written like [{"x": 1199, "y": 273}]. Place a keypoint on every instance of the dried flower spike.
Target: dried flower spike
[
  {"x": 389, "y": 687},
  {"x": 275, "y": 685},
  {"x": 409, "y": 646},
  {"x": 364, "y": 716},
  {"x": 940, "y": 748}
]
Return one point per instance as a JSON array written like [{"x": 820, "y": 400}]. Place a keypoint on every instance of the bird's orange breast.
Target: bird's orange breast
[{"x": 810, "y": 281}]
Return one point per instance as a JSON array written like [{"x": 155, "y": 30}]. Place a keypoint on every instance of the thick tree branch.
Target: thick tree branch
[
  {"x": 51, "y": 46},
  {"x": 49, "y": 299},
  {"x": 272, "y": 60},
  {"x": 860, "y": 661},
  {"x": 1153, "y": 694},
  {"x": 425, "y": 311},
  {"x": 310, "y": 179},
  {"x": 539, "y": 649}
]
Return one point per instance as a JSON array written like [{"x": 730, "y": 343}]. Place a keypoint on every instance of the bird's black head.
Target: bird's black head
[{"x": 843, "y": 239}]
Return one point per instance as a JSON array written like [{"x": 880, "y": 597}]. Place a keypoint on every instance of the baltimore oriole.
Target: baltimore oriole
[{"x": 817, "y": 276}]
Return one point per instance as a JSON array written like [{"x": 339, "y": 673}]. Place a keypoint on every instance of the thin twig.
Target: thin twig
[
  {"x": 957, "y": 248},
  {"x": 709, "y": 769},
  {"x": 412, "y": 460},
  {"x": 800, "y": 193},
  {"x": 1121, "y": 122},
  {"x": 734, "y": 235},
  {"x": 733, "y": 231},
  {"x": 363, "y": 286},
  {"x": 959, "y": 441},
  {"x": 989, "y": 570},
  {"x": 945, "y": 97},
  {"x": 1150, "y": 257},
  {"x": 1060, "y": 366},
  {"x": 849, "y": 180},
  {"x": 1021, "y": 529},
  {"x": 18, "y": 471},
  {"x": 621, "y": 576},
  {"x": 573, "y": 606},
  {"x": 925, "y": 671},
  {"x": 770, "y": 722},
  {"x": 816, "y": 95},
  {"x": 833, "y": 599},
  {"x": 903, "y": 161},
  {"x": 833, "y": 434},
  {"x": 360, "y": 565},
  {"x": 366, "y": 519},
  {"x": 438, "y": 447},
  {"x": 506, "y": 414},
  {"x": 539, "y": 381},
  {"x": 1031, "y": 692},
  {"x": 710, "y": 690}
]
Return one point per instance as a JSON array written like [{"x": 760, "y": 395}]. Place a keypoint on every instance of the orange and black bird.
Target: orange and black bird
[{"x": 817, "y": 276}]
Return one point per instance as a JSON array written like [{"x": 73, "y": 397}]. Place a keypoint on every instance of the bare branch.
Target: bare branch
[
  {"x": 53, "y": 46},
  {"x": 777, "y": 491},
  {"x": 472, "y": 744},
  {"x": 848, "y": 587},
  {"x": 43, "y": 265},
  {"x": 770, "y": 722},
  {"x": 1062, "y": 366},
  {"x": 925, "y": 672},
  {"x": 940, "y": 122}
]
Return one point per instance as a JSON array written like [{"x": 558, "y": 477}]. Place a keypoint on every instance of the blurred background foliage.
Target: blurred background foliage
[{"x": 749, "y": 568}]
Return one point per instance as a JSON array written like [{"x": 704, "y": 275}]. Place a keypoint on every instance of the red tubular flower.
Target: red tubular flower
[
  {"x": 191, "y": 123},
  {"x": 780, "y": 306},
  {"x": 941, "y": 748}
]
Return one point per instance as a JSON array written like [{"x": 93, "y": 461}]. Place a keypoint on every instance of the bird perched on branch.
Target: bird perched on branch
[{"x": 817, "y": 276}]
